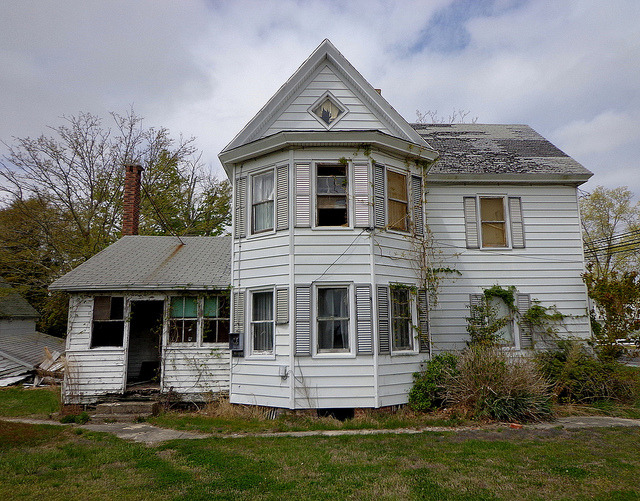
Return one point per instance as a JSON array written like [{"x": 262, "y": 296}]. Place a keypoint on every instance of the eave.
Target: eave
[
  {"x": 513, "y": 178},
  {"x": 325, "y": 139}
]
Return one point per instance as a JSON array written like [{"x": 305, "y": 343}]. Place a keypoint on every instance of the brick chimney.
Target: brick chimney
[{"x": 131, "y": 208}]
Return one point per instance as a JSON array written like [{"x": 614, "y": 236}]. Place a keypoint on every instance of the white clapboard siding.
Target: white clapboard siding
[
  {"x": 196, "y": 370},
  {"x": 548, "y": 269},
  {"x": 297, "y": 117},
  {"x": 90, "y": 374}
]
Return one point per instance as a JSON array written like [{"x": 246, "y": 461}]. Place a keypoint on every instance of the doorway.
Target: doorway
[{"x": 145, "y": 343}]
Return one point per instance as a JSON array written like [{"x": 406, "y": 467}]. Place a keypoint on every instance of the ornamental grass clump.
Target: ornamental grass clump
[{"x": 491, "y": 383}]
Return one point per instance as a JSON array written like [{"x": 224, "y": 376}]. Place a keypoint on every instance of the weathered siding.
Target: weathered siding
[
  {"x": 195, "y": 371},
  {"x": 296, "y": 116},
  {"x": 548, "y": 268}
]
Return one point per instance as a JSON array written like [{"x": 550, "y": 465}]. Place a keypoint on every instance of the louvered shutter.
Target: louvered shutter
[
  {"x": 361, "y": 195},
  {"x": 303, "y": 321},
  {"x": 282, "y": 197},
  {"x": 364, "y": 327},
  {"x": 379, "y": 206},
  {"x": 303, "y": 195},
  {"x": 282, "y": 306},
  {"x": 517, "y": 224},
  {"x": 423, "y": 321},
  {"x": 475, "y": 300},
  {"x": 523, "y": 303},
  {"x": 384, "y": 332},
  {"x": 416, "y": 205},
  {"x": 241, "y": 211},
  {"x": 471, "y": 223},
  {"x": 238, "y": 311}
]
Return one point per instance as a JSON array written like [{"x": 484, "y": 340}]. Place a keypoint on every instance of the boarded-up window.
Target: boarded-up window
[
  {"x": 262, "y": 202},
  {"x": 333, "y": 319},
  {"x": 493, "y": 222},
  {"x": 108, "y": 321},
  {"x": 401, "y": 318},
  {"x": 331, "y": 201},
  {"x": 215, "y": 323},
  {"x": 262, "y": 325},
  {"x": 183, "y": 319},
  {"x": 397, "y": 200}
]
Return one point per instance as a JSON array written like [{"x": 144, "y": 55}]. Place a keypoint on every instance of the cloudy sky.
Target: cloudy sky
[{"x": 568, "y": 68}]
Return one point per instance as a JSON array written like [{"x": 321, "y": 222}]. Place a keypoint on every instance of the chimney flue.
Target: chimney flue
[{"x": 131, "y": 206}]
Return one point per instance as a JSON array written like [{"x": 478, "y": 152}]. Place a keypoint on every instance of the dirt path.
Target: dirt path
[{"x": 150, "y": 435}]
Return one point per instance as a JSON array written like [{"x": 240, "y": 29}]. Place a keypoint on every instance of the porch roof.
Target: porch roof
[{"x": 154, "y": 263}]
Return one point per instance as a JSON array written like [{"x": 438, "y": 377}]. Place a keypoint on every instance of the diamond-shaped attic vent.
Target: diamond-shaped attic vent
[{"x": 328, "y": 110}]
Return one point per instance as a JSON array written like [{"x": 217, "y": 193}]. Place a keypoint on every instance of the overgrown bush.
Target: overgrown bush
[
  {"x": 490, "y": 383},
  {"x": 579, "y": 376},
  {"x": 428, "y": 390}
]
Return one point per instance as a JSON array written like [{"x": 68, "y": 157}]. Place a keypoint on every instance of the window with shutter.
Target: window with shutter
[
  {"x": 397, "y": 201},
  {"x": 240, "y": 229},
  {"x": 262, "y": 202},
  {"x": 384, "y": 344},
  {"x": 486, "y": 219},
  {"x": 401, "y": 319},
  {"x": 333, "y": 318},
  {"x": 262, "y": 322},
  {"x": 303, "y": 195}
]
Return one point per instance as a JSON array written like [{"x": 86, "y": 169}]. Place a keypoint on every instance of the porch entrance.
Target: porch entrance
[{"x": 145, "y": 343}]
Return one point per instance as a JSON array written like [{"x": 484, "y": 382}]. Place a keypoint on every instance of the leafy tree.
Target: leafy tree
[
  {"x": 62, "y": 198},
  {"x": 611, "y": 230},
  {"x": 617, "y": 296}
]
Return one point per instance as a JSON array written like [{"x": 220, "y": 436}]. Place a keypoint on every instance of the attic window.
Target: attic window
[{"x": 327, "y": 110}]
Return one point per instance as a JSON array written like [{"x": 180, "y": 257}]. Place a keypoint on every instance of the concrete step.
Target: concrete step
[{"x": 131, "y": 408}]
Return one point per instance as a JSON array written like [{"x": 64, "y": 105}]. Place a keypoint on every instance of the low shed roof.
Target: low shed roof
[
  {"x": 470, "y": 149},
  {"x": 12, "y": 304},
  {"x": 154, "y": 263}
]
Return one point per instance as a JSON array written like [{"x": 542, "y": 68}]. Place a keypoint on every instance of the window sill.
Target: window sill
[
  {"x": 404, "y": 353},
  {"x": 334, "y": 354},
  {"x": 261, "y": 356}
]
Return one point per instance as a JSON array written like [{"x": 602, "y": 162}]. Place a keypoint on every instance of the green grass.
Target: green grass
[
  {"x": 34, "y": 402},
  {"x": 66, "y": 463}
]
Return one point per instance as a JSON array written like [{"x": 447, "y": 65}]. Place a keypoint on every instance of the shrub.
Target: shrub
[
  {"x": 578, "y": 376},
  {"x": 428, "y": 390},
  {"x": 490, "y": 383}
]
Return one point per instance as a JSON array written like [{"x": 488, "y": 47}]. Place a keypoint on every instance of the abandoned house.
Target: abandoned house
[{"x": 324, "y": 295}]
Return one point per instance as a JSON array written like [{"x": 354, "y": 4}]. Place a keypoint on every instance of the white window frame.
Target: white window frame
[
  {"x": 124, "y": 320},
  {"x": 252, "y": 203},
  {"x": 413, "y": 319},
  {"x": 348, "y": 194},
  {"x": 507, "y": 221},
  {"x": 341, "y": 352},
  {"x": 387, "y": 198},
  {"x": 252, "y": 351},
  {"x": 199, "y": 341}
]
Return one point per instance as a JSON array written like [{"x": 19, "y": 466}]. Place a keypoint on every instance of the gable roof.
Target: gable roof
[
  {"x": 326, "y": 58},
  {"x": 154, "y": 263},
  {"x": 469, "y": 151},
  {"x": 13, "y": 305}
]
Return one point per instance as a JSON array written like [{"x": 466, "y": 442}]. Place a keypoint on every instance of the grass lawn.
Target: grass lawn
[
  {"x": 69, "y": 463},
  {"x": 32, "y": 402}
]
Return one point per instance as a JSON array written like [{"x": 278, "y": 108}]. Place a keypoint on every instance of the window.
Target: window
[
  {"x": 108, "y": 321},
  {"x": 262, "y": 207},
  {"x": 262, "y": 326},
  {"x": 501, "y": 311},
  {"x": 215, "y": 323},
  {"x": 183, "y": 319},
  {"x": 397, "y": 200},
  {"x": 331, "y": 188},
  {"x": 327, "y": 111},
  {"x": 333, "y": 319},
  {"x": 493, "y": 222},
  {"x": 401, "y": 318}
]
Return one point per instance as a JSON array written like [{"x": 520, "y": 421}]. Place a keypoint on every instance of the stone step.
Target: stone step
[{"x": 141, "y": 408}]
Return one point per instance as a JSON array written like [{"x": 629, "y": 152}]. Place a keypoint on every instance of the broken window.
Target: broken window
[
  {"x": 327, "y": 111},
  {"x": 108, "y": 321},
  {"x": 262, "y": 326},
  {"x": 401, "y": 318},
  {"x": 333, "y": 319},
  {"x": 493, "y": 222},
  {"x": 183, "y": 319},
  {"x": 397, "y": 200},
  {"x": 262, "y": 207},
  {"x": 331, "y": 188},
  {"x": 215, "y": 324}
]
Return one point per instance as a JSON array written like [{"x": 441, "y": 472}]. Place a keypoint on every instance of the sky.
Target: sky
[{"x": 568, "y": 68}]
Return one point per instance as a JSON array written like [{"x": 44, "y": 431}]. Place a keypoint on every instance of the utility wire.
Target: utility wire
[{"x": 163, "y": 221}]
